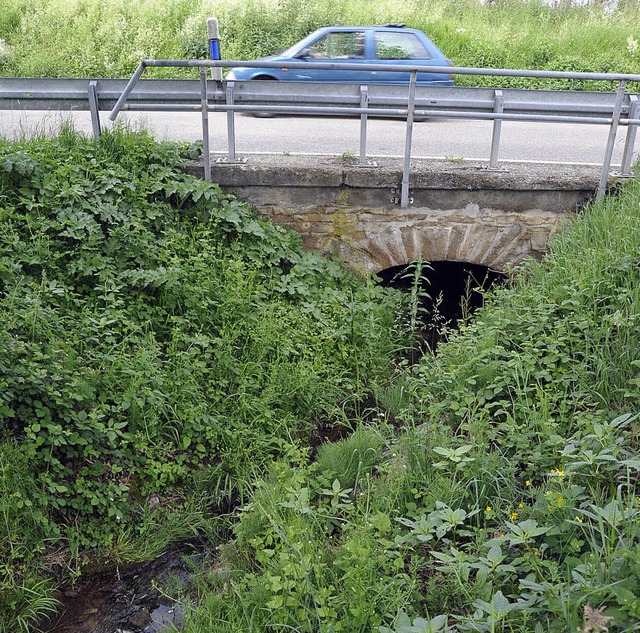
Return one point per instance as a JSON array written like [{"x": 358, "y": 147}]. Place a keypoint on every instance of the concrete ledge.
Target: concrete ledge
[{"x": 282, "y": 180}]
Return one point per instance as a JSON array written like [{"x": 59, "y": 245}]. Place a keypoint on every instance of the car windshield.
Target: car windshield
[{"x": 338, "y": 45}]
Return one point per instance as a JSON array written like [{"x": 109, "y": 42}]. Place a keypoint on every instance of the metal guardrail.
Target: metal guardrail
[{"x": 409, "y": 102}]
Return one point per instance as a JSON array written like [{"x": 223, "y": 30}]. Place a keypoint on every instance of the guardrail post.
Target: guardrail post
[
  {"x": 498, "y": 108},
  {"x": 231, "y": 123},
  {"x": 204, "y": 101},
  {"x": 364, "y": 103},
  {"x": 404, "y": 195},
  {"x": 613, "y": 130},
  {"x": 631, "y": 136},
  {"x": 231, "y": 128},
  {"x": 93, "y": 107}
]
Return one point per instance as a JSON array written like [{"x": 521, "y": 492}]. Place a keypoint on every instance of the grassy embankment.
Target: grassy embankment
[
  {"x": 499, "y": 491},
  {"x": 164, "y": 356},
  {"x": 89, "y": 38}
]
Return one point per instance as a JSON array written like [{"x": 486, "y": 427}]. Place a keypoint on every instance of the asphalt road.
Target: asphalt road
[{"x": 435, "y": 138}]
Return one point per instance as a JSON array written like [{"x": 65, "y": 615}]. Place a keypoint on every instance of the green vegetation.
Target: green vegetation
[
  {"x": 497, "y": 490},
  {"x": 157, "y": 342},
  {"x": 90, "y": 38},
  {"x": 168, "y": 363}
]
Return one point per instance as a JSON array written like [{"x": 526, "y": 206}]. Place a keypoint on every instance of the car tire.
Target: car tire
[{"x": 263, "y": 115}]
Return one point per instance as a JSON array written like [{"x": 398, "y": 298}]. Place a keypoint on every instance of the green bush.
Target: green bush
[
  {"x": 507, "y": 501},
  {"x": 128, "y": 359}
]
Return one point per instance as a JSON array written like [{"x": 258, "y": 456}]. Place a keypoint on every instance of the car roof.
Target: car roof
[
  {"x": 374, "y": 27},
  {"x": 367, "y": 29}
]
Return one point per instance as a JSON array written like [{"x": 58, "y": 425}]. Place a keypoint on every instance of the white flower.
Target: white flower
[{"x": 6, "y": 53}]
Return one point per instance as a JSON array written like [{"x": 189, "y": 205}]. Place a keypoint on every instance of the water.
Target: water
[{"x": 122, "y": 600}]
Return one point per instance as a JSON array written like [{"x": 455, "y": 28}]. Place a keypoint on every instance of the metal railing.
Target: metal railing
[{"x": 613, "y": 109}]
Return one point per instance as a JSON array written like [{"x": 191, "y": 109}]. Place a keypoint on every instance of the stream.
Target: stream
[{"x": 122, "y": 600}]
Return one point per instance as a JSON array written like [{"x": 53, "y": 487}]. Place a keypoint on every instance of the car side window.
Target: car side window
[
  {"x": 340, "y": 45},
  {"x": 399, "y": 46}
]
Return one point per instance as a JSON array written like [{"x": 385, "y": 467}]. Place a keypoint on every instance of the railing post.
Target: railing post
[
  {"x": 231, "y": 123},
  {"x": 404, "y": 196},
  {"x": 204, "y": 101},
  {"x": 498, "y": 108},
  {"x": 631, "y": 136},
  {"x": 93, "y": 108},
  {"x": 364, "y": 103},
  {"x": 613, "y": 130}
]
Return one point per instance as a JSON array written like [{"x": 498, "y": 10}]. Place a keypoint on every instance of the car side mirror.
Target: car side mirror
[{"x": 302, "y": 54}]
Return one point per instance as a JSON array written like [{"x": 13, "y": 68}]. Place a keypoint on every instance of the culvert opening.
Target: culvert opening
[{"x": 441, "y": 294}]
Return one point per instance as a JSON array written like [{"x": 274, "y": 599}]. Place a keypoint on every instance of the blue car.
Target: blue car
[{"x": 361, "y": 45}]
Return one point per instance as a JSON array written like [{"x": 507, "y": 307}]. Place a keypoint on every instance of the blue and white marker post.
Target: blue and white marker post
[{"x": 214, "y": 47}]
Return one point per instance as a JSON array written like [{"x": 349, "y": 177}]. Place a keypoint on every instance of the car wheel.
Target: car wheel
[{"x": 263, "y": 115}]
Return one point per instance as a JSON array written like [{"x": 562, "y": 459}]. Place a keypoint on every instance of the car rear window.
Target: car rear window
[{"x": 399, "y": 46}]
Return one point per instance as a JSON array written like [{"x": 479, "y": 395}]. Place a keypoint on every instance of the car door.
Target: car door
[{"x": 337, "y": 47}]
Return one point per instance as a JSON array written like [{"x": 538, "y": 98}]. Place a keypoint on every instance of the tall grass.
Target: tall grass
[
  {"x": 91, "y": 38},
  {"x": 25, "y": 596}
]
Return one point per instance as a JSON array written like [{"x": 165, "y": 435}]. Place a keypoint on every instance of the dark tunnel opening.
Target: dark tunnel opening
[{"x": 443, "y": 293}]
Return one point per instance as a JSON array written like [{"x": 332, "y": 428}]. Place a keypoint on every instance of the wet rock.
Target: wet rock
[
  {"x": 164, "y": 617},
  {"x": 140, "y": 619}
]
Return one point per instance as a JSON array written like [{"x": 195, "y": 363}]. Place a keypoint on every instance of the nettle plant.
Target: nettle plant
[{"x": 153, "y": 326}]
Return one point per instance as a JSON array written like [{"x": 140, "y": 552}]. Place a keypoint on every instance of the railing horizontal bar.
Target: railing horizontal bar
[
  {"x": 403, "y": 112},
  {"x": 420, "y": 68},
  {"x": 163, "y": 107},
  {"x": 301, "y": 109}
]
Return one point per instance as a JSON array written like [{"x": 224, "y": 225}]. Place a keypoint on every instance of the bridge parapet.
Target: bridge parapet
[{"x": 460, "y": 211}]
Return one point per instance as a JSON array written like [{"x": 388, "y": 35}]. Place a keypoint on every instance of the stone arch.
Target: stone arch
[{"x": 486, "y": 237}]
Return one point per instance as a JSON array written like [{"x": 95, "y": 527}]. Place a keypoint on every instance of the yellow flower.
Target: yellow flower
[
  {"x": 527, "y": 483},
  {"x": 514, "y": 516},
  {"x": 520, "y": 505},
  {"x": 578, "y": 519},
  {"x": 488, "y": 509},
  {"x": 559, "y": 500}
]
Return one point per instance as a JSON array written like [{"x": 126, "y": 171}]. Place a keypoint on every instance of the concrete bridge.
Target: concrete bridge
[{"x": 459, "y": 212}]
